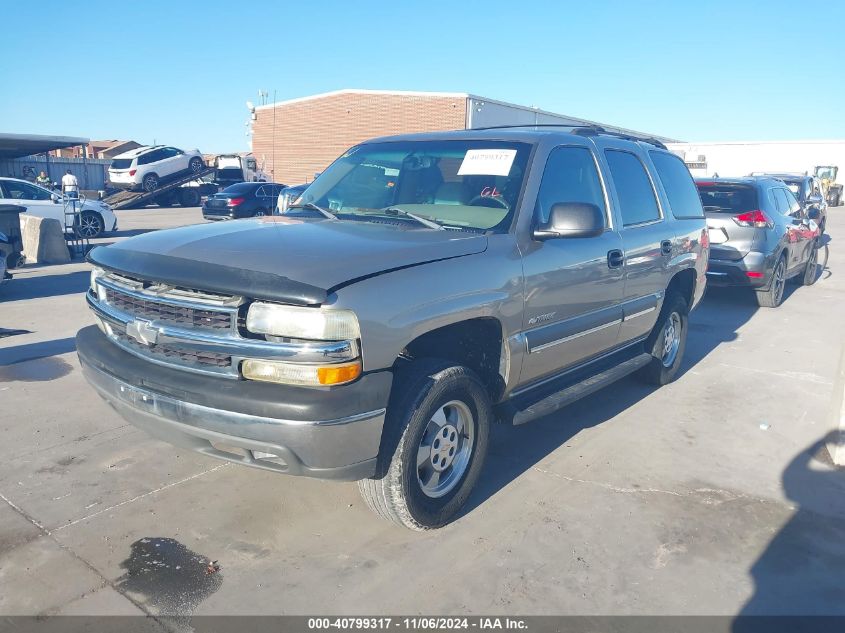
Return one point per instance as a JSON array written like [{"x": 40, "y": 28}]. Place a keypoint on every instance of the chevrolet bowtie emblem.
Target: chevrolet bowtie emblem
[{"x": 142, "y": 331}]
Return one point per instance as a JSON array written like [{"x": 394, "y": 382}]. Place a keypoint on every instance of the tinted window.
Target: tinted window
[
  {"x": 570, "y": 176},
  {"x": 727, "y": 197},
  {"x": 149, "y": 157},
  {"x": 781, "y": 201},
  {"x": 636, "y": 197},
  {"x": 241, "y": 188},
  {"x": 25, "y": 191},
  {"x": 791, "y": 202},
  {"x": 678, "y": 184}
]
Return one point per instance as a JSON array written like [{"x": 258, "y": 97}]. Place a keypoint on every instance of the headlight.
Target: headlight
[
  {"x": 298, "y": 374},
  {"x": 305, "y": 323}
]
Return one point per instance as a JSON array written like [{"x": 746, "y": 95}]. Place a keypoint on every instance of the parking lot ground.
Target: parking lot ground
[{"x": 712, "y": 495}]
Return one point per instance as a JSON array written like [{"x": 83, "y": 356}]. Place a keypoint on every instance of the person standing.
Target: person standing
[
  {"x": 70, "y": 186},
  {"x": 43, "y": 180}
]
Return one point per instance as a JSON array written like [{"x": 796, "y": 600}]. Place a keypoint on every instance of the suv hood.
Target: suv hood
[{"x": 292, "y": 260}]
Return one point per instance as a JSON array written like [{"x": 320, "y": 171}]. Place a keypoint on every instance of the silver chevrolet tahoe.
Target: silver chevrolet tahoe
[{"x": 422, "y": 287}]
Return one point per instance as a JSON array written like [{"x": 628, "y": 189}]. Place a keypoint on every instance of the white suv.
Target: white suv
[
  {"x": 145, "y": 167},
  {"x": 95, "y": 218}
]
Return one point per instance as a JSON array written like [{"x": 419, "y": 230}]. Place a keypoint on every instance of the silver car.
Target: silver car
[{"x": 759, "y": 235}]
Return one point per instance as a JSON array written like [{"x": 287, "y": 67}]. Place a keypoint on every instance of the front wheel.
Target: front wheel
[
  {"x": 195, "y": 164},
  {"x": 90, "y": 225},
  {"x": 667, "y": 342},
  {"x": 433, "y": 447},
  {"x": 811, "y": 270}
]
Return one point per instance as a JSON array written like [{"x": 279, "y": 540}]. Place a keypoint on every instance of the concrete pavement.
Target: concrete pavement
[{"x": 712, "y": 495}]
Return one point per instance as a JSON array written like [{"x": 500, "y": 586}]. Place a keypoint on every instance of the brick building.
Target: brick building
[{"x": 294, "y": 139}]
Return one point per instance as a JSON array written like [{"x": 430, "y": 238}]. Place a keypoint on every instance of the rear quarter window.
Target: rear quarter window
[{"x": 678, "y": 184}]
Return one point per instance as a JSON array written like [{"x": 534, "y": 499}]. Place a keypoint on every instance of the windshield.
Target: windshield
[
  {"x": 121, "y": 163},
  {"x": 460, "y": 184}
]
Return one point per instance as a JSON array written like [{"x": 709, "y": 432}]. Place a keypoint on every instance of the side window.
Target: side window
[
  {"x": 25, "y": 191},
  {"x": 781, "y": 201},
  {"x": 636, "y": 196},
  {"x": 678, "y": 184},
  {"x": 570, "y": 176},
  {"x": 792, "y": 203},
  {"x": 149, "y": 157}
]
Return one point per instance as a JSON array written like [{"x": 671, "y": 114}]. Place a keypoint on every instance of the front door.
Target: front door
[
  {"x": 38, "y": 201},
  {"x": 573, "y": 286},
  {"x": 647, "y": 239}
]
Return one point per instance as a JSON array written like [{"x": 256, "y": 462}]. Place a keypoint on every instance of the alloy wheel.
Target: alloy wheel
[
  {"x": 671, "y": 339},
  {"x": 89, "y": 226},
  {"x": 445, "y": 449}
]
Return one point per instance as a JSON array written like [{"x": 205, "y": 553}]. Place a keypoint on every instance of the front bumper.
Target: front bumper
[{"x": 331, "y": 433}]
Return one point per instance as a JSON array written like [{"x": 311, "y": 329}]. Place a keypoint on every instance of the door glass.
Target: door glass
[
  {"x": 633, "y": 187},
  {"x": 793, "y": 205},
  {"x": 570, "y": 176},
  {"x": 678, "y": 184},
  {"x": 25, "y": 191}
]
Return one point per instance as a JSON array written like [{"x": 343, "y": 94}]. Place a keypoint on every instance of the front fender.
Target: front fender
[{"x": 395, "y": 308}]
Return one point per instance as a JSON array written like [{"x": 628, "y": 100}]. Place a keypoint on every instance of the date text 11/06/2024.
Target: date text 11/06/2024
[{"x": 417, "y": 623}]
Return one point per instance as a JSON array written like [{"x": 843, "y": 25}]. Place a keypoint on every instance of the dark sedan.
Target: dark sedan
[{"x": 242, "y": 200}]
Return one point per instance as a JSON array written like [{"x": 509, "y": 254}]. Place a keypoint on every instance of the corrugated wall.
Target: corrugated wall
[
  {"x": 90, "y": 173},
  {"x": 307, "y": 135}
]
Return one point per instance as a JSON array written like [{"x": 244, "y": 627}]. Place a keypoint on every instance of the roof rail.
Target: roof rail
[{"x": 581, "y": 130}]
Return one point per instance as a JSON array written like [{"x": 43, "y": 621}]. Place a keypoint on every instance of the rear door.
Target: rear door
[
  {"x": 572, "y": 295},
  {"x": 797, "y": 232},
  {"x": 647, "y": 239},
  {"x": 729, "y": 208}
]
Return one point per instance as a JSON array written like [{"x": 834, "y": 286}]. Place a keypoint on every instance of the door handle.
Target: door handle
[
  {"x": 666, "y": 247},
  {"x": 615, "y": 258}
]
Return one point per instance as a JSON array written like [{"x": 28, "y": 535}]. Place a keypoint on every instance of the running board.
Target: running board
[{"x": 515, "y": 414}]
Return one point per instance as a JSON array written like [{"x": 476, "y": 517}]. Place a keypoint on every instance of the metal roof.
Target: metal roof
[{"x": 17, "y": 145}]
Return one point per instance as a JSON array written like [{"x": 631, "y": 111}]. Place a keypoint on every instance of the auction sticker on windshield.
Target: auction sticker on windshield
[{"x": 487, "y": 162}]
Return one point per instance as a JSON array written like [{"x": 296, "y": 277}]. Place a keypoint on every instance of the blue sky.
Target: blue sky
[{"x": 180, "y": 72}]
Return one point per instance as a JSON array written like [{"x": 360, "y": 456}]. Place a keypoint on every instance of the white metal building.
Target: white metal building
[{"x": 741, "y": 158}]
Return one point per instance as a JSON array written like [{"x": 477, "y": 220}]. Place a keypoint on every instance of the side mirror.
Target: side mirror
[
  {"x": 814, "y": 199},
  {"x": 571, "y": 219},
  {"x": 55, "y": 198},
  {"x": 813, "y": 214}
]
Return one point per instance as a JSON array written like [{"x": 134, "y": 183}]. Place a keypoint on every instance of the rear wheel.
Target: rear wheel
[
  {"x": 772, "y": 297},
  {"x": 667, "y": 341},
  {"x": 434, "y": 444},
  {"x": 811, "y": 270},
  {"x": 150, "y": 182},
  {"x": 259, "y": 214}
]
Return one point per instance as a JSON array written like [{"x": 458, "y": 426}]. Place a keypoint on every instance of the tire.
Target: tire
[
  {"x": 260, "y": 213},
  {"x": 195, "y": 164},
  {"x": 667, "y": 342},
  {"x": 811, "y": 269},
  {"x": 150, "y": 182},
  {"x": 772, "y": 296},
  {"x": 408, "y": 488},
  {"x": 90, "y": 225},
  {"x": 188, "y": 197}
]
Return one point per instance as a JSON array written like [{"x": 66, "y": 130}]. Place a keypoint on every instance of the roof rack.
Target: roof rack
[{"x": 582, "y": 130}]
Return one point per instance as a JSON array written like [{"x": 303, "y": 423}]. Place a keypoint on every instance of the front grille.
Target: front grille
[
  {"x": 183, "y": 356},
  {"x": 153, "y": 310}
]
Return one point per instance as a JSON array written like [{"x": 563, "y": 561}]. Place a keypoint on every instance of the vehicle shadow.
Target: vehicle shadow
[
  {"x": 801, "y": 570},
  {"x": 36, "y": 351},
  {"x": 22, "y": 288},
  {"x": 515, "y": 450}
]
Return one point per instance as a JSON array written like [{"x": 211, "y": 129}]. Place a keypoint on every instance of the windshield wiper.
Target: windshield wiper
[
  {"x": 424, "y": 221},
  {"x": 314, "y": 207}
]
